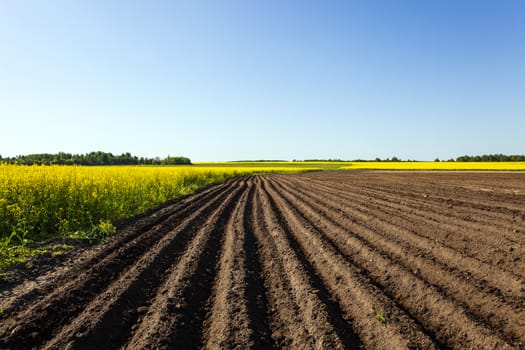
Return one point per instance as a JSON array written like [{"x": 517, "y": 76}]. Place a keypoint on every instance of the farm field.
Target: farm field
[
  {"x": 40, "y": 204},
  {"x": 338, "y": 260},
  {"x": 372, "y": 165},
  {"x": 43, "y": 203},
  {"x": 472, "y": 166}
]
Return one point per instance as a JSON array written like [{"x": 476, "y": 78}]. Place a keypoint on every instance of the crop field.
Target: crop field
[
  {"x": 473, "y": 166},
  {"x": 38, "y": 203},
  {"x": 319, "y": 260},
  {"x": 45, "y": 202},
  {"x": 383, "y": 165}
]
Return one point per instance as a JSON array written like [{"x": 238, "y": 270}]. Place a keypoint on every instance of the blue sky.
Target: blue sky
[{"x": 230, "y": 80}]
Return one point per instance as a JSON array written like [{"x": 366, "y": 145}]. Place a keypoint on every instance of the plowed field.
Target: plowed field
[{"x": 330, "y": 260}]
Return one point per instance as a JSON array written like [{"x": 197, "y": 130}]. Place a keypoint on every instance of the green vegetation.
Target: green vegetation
[
  {"x": 379, "y": 315},
  {"x": 15, "y": 250},
  {"x": 92, "y": 158},
  {"x": 483, "y": 158},
  {"x": 492, "y": 158}
]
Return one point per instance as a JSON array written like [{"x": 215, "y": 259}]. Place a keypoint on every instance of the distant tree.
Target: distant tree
[
  {"x": 491, "y": 158},
  {"x": 92, "y": 158},
  {"x": 175, "y": 160}
]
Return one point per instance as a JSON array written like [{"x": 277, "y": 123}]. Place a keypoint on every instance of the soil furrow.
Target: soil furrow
[
  {"x": 389, "y": 227},
  {"x": 255, "y": 292},
  {"x": 402, "y": 264},
  {"x": 45, "y": 316},
  {"x": 355, "y": 294},
  {"x": 228, "y": 323},
  {"x": 506, "y": 282},
  {"x": 420, "y": 299},
  {"x": 490, "y": 231},
  {"x": 101, "y": 323},
  {"x": 177, "y": 313},
  {"x": 152, "y": 222},
  {"x": 299, "y": 318},
  {"x": 442, "y": 188},
  {"x": 342, "y": 324},
  {"x": 456, "y": 205}
]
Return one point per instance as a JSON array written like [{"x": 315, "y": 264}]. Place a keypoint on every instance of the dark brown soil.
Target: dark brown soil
[{"x": 331, "y": 260}]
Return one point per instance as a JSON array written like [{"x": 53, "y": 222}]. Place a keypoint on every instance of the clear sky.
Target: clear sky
[{"x": 261, "y": 79}]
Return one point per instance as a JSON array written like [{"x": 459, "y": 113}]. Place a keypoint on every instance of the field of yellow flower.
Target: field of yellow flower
[
  {"x": 41, "y": 202},
  {"x": 463, "y": 166},
  {"x": 38, "y": 201}
]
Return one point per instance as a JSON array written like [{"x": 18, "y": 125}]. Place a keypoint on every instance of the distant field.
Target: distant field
[
  {"x": 286, "y": 166},
  {"x": 491, "y": 166}
]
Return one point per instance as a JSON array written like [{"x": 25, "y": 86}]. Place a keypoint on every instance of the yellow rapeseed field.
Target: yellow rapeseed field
[
  {"x": 41, "y": 201},
  {"x": 478, "y": 166}
]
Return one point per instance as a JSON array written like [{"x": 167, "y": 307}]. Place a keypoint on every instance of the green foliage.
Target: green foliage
[
  {"x": 325, "y": 160},
  {"x": 379, "y": 315},
  {"x": 92, "y": 158},
  {"x": 175, "y": 160},
  {"x": 492, "y": 158},
  {"x": 96, "y": 233},
  {"x": 15, "y": 250}
]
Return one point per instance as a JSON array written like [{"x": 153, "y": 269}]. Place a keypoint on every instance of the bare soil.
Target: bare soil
[{"x": 330, "y": 260}]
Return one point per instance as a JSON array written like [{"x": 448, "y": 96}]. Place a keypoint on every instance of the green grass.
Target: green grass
[
  {"x": 15, "y": 251},
  {"x": 379, "y": 315}
]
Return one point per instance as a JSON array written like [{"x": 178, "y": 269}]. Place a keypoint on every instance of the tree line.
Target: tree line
[
  {"x": 466, "y": 158},
  {"x": 492, "y": 158},
  {"x": 92, "y": 158}
]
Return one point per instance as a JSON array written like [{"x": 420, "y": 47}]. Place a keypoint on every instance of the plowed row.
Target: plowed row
[{"x": 315, "y": 261}]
